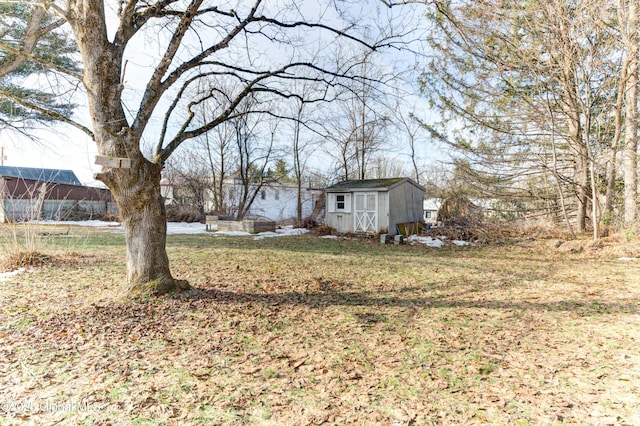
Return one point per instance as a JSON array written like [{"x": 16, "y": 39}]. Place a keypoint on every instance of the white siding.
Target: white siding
[
  {"x": 341, "y": 222},
  {"x": 383, "y": 212},
  {"x": 395, "y": 204},
  {"x": 277, "y": 202}
]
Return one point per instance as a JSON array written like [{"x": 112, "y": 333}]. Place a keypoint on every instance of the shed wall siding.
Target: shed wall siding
[
  {"x": 27, "y": 189},
  {"x": 19, "y": 210},
  {"x": 383, "y": 212},
  {"x": 341, "y": 222},
  {"x": 405, "y": 205}
]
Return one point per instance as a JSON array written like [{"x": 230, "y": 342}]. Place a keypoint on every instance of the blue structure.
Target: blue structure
[{"x": 63, "y": 177}]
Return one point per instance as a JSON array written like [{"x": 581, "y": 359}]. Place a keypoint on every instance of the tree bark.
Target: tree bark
[
  {"x": 141, "y": 206},
  {"x": 135, "y": 189},
  {"x": 630, "y": 153},
  {"x": 137, "y": 192}
]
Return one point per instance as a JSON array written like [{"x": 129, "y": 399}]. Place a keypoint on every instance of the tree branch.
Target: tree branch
[
  {"x": 27, "y": 56},
  {"x": 54, "y": 115},
  {"x": 157, "y": 86}
]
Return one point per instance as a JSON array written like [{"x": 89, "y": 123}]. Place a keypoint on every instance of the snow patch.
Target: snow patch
[
  {"x": 286, "y": 231},
  {"x": 6, "y": 276},
  {"x": 185, "y": 228},
  {"x": 95, "y": 223},
  {"x": 427, "y": 241}
]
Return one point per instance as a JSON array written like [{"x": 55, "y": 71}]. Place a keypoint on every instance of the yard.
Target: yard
[{"x": 303, "y": 330}]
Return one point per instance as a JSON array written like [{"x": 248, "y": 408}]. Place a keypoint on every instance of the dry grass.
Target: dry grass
[
  {"x": 304, "y": 330},
  {"x": 24, "y": 259}
]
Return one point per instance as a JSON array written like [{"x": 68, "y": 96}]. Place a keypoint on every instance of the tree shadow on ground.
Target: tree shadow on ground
[{"x": 393, "y": 299}]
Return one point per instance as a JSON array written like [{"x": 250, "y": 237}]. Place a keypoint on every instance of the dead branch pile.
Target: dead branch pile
[{"x": 458, "y": 211}]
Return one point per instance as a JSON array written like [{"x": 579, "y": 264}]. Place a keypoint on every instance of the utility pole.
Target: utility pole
[{"x": 2, "y": 155}]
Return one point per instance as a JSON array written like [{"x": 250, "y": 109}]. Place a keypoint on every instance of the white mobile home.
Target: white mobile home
[
  {"x": 273, "y": 201},
  {"x": 373, "y": 205},
  {"x": 431, "y": 207}
]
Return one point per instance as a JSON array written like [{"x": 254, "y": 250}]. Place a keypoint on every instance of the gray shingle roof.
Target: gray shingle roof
[
  {"x": 66, "y": 177},
  {"x": 366, "y": 184}
]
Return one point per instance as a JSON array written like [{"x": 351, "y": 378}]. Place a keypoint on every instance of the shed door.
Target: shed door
[{"x": 365, "y": 213}]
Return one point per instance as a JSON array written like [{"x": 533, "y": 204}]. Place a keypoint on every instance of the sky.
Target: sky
[
  {"x": 68, "y": 148},
  {"x": 63, "y": 147}
]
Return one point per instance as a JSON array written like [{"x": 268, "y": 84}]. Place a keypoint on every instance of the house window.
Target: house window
[
  {"x": 277, "y": 194},
  {"x": 263, "y": 195},
  {"x": 427, "y": 215},
  {"x": 340, "y": 203}
]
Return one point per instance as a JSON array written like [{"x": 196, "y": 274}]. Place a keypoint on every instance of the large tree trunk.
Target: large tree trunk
[
  {"x": 135, "y": 189},
  {"x": 581, "y": 166},
  {"x": 137, "y": 192}
]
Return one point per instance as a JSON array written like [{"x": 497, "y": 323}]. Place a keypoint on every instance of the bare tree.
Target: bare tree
[
  {"x": 198, "y": 41},
  {"x": 189, "y": 180},
  {"x": 385, "y": 166},
  {"x": 217, "y": 145},
  {"x": 356, "y": 130},
  {"x": 367, "y": 119},
  {"x": 216, "y": 150},
  {"x": 628, "y": 11},
  {"x": 300, "y": 151},
  {"x": 412, "y": 129},
  {"x": 254, "y": 158}
]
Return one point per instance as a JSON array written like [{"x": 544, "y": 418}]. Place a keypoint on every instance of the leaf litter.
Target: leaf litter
[{"x": 316, "y": 331}]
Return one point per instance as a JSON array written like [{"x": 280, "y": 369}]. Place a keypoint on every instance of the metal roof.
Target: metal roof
[
  {"x": 369, "y": 184},
  {"x": 432, "y": 204},
  {"x": 66, "y": 177}
]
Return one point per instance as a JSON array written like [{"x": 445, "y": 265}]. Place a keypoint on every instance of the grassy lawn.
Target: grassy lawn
[{"x": 303, "y": 330}]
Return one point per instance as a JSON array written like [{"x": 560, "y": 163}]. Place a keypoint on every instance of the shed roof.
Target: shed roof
[
  {"x": 370, "y": 184},
  {"x": 432, "y": 204},
  {"x": 66, "y": 177}
]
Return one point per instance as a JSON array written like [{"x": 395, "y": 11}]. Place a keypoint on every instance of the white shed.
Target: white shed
[{"x": 373, "y": 205}]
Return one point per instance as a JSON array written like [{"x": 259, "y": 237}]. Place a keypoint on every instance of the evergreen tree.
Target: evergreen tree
[{"x": 34, "y": 43}]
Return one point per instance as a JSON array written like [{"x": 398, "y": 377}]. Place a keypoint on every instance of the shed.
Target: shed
[{"x": 373, "y": 205}]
